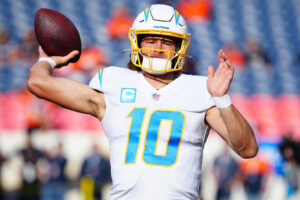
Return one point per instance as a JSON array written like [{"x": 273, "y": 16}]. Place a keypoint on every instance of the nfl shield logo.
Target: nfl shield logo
[{"x": 155, "y": 97}]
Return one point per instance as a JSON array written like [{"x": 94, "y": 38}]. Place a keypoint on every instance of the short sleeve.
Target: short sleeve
[
  {"x": 211, "y": 102},
  {"x": 97, "y": 81},
  {"x": 208, "y": 98}
]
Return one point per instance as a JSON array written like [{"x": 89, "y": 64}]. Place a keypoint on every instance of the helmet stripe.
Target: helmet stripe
[
  {"x": 146, "y": 12},
  {"x": 177, "y": 16}
]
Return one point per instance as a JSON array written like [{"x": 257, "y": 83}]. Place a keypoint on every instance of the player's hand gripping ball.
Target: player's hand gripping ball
[{"x": 56, "y": 34}]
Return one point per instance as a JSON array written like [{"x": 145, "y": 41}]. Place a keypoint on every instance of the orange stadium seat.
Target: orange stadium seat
[
  {"x": 243, "y": 103},
  {"x": 289, "y": 114},
  {"x": 1, "y": 110},
  {"x": 13, "y": 112},
  {"x": 69, "y": 120},
  {"x": 265, "y": 114}
]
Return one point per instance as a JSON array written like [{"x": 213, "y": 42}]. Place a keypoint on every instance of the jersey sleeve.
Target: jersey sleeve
[
  {"x": 205, "y": 97},
  {"x": 98, "y": 81},
  {"x": 209, "y": 100}
]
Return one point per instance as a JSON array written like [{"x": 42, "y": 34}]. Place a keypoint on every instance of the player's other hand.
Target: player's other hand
[
  {"x": 59, "y": 60},
  {"x": 218, "y": 82}
]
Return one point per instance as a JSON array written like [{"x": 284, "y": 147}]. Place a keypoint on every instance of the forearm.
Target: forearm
[
  {"x": 62, "y": 91},
  {"x": 225, "y": 119},
  {"x": 39, "y": 75},
  {"x": 40, "y": 80},
  {"x": 240, "y": 134}
]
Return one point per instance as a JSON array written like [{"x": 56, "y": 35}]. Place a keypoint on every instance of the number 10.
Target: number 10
[{"x": 150, "y": 157}]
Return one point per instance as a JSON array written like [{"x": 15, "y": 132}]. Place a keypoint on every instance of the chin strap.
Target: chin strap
[{"x": 156, "y": 64}]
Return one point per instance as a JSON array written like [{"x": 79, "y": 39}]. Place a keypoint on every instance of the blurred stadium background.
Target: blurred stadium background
[{"x": 267, "y": 93}]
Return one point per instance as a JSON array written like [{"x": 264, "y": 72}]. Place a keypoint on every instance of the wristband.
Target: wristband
[
  {"x": 222, "y": 102},
  {"x": 49, "y": 60}
]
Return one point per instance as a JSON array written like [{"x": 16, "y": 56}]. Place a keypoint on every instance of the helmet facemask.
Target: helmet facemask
[
  {"x": 152, "y": 22},
  {"x": 174, "y": 60}
]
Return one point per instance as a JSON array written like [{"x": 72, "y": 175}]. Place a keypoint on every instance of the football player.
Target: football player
[{"x": 156, "y": 119}]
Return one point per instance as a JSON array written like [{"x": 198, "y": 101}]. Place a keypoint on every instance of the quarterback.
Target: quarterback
[{"x": 156, "y": 118}]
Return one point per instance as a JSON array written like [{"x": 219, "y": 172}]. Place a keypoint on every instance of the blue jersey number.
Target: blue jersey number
[{"x": 152, "y": 135}]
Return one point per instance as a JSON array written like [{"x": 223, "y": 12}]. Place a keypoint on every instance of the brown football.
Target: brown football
[{"x": 56, "y": 34}]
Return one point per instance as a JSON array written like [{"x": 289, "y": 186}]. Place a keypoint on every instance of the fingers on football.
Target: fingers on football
[
  {"x": 40, "y": 49},
  {"x": 42, "y": 52},
  {"x": 71, "y": 55}
]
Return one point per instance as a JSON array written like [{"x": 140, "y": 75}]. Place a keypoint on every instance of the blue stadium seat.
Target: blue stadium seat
[{"x": 274, "y": 23}]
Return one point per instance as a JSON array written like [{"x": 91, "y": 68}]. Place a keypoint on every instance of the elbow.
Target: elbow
[
  {"x": 30, "y": 85},
  {"x": 250, "y": 152},
  {"x": 34, "y": 85},
  {"x": 250, "y": 146}
]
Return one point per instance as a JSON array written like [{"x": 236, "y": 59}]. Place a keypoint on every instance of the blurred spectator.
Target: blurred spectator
[
  {"x": 196, "y": 10},
  {"x": 37, "y": 112},
  {"x": 91, "y": 60},
  {"x": 189, "y": 66},
  {"x": 2, "y": 160},
  {"x": 290, "y": 151},
  {"x": 254, "y": 174},
  {"x": 28, "y": 49},
  {"x": 26, "y": 52},
  {"x": 55, "y": 186},
  {"x": 6, "y": 47},
  {"x": 31, "y": 184},
  {"x": 119, "y": 23},
  {"x": 96, "y": 171},
  {"x": 236, "y": 55},
  {"x": 226, "y": 170},
  {"x": 298, "y": 58},
  {"x": 255, "y": 56}
]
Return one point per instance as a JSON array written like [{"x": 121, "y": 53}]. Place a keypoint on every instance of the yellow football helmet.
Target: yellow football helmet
[{"x": 162, "y": 20}]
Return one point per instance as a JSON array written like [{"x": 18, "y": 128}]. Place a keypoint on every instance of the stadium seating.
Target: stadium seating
[
  {"x": 267, "y": 96},
  {"x": 13, "y": 113}
]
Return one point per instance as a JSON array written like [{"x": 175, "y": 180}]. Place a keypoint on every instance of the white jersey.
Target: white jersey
[{"x": 156, "y": 137}]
